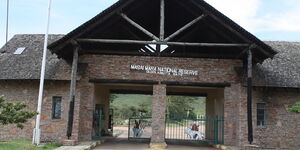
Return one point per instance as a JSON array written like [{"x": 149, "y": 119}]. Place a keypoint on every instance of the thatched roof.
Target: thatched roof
[
  {"x": 281, "y": 71},
  {"x": 28, "y": 64}
]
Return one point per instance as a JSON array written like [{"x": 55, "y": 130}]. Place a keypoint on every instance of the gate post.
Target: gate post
[
  {"x": 216, "y": 131},
  {"x": 158, "y": 116}
]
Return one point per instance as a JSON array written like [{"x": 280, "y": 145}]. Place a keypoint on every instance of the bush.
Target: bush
[{"x": 14, "y": 113}]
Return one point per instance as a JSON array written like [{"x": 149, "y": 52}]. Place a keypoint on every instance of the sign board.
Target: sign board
[{"x": 163, "y": 70}]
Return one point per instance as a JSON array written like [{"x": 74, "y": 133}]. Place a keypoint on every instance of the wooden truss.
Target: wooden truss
[{"x": 162, "y": 40}]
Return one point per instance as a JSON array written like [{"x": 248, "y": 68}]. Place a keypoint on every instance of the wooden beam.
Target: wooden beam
[
  {"x": 92, "y": 26},
  {"x": 110, "y": 52},
  {"x": 242, "y": 53},
  {"x": 150, "y": 92},
  {"x": 190, "y": 55},
  {"x": 252, "y": 47},
  {"x": 198, "y": 55},
  {"x": 249, "y": 96},
  {"x": 112, "y": 41},
  {"x": 199, "y": 84},
  {"x": 145, "y": 48},
  {"x": 72, "y": 89},
  {"x": 158, "y": 48},
  {"x": 122, "y": 81},
  {"x": 139, "y": 27},
  {"x": 186, "y": 94},
  {"x": 184, "y": 27},
  {"x": 123, "y": 91},
  {"x": 151, "y": 48},
  {"x": 170, "y": 48},
  {"x": 162, "y": 20},
  {"x": 228, "y": 26}
]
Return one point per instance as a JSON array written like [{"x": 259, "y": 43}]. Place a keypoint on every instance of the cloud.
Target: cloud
[
  {"x": 241, "y": 11},
  {"x": 283, "y": 21},
  {"x": 246, "y": 13}
]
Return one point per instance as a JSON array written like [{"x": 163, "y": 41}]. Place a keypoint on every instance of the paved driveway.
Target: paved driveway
[{"x": 124, "y": 144}]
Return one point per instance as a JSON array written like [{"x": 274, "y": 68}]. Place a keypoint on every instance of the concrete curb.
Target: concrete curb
[
  {"x": 81, "y": 146},
  {"x": 86, "y": 145}
]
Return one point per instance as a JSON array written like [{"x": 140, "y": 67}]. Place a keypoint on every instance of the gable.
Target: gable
[{"x": 191, "y": 28}]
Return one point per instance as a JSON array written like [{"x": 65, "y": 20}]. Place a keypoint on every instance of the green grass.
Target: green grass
[{"x": 26, "y": 145}]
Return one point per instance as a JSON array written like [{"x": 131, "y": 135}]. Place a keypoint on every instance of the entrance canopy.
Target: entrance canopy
[{"x": 165, "y": 28}]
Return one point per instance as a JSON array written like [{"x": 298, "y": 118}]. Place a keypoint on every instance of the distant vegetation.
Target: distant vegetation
[{"x": 134, "y": 105}]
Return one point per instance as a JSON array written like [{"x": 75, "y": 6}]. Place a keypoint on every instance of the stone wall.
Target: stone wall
[
  {"x": 158, "y": 114},
  {"x": 118, "y": 67},
  {"x": 27, "y": 91},
  {"x": 280, "y": 131},
  {"x": 282, "y": 127},
  {"x": 235, "y": 115}
]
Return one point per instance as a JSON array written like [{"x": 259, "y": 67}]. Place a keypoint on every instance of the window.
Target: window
[
  {"x": 20, "y": 50},
  {"x": 56, "y": 107},
  {"x": 261, "y": 114}
]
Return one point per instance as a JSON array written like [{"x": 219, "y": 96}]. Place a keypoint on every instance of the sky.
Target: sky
[{"x": 266, "y": 19}]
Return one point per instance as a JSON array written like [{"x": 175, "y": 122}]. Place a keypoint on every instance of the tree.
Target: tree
[
  {"x": 181, "y": 105},
  {"x": 112, "y": 97},
  {"x": 295, "y": 108},
  {"x": 13, "y": 113}
]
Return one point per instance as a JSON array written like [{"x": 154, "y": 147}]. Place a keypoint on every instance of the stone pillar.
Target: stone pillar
[
  {"x": 235, "y": 115},
  {"x": 158, "y": 116}
]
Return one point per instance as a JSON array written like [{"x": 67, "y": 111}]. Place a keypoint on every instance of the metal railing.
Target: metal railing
[
  {"x": 139, "y": 128},
  {"x": 200, "y": 129}
]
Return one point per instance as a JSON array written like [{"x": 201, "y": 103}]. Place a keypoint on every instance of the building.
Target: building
[{"x": 198, "y": 51}]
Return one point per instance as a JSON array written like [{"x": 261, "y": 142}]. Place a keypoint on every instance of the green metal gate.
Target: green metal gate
[
  {"x": 200, "y": 129},
  {"x": 139, "y": 128},
  {"x": 98, "y": 122}
]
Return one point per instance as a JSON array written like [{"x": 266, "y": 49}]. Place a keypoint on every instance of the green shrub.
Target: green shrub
[
  {"x": 295, "y": 108},
  {"x": 14, "y": 113}
]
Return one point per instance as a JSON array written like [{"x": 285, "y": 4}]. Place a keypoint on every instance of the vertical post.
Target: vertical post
[
  {"x": 72, "y": 89},
  {"x": 215, "y": 124},
  {"x": 158, "y": 117},
  {"x": 129, "y": 128},
  {"x": 162, "y": 20},
  {"x": 158, "y": 47},
  {"x": 249, "y": 95},
  {"x": 36, "y": 131},
  {"x": 7, "y": 15},
  {"x": 162, "y": 26}
]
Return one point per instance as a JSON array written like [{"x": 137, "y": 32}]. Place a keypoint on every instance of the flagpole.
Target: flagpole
[
  {"x": 37, "y": 130},
  {"x": 7, "y": 13}
]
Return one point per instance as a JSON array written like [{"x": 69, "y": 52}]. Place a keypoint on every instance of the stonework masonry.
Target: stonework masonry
[
  {"x": 282, "y": 127},
  {"x": 280, "y": 130},
  {"x": 27, "y": 91},
  {"x": 118, "y": 67},
  {"x": 158, "y": 115}
]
